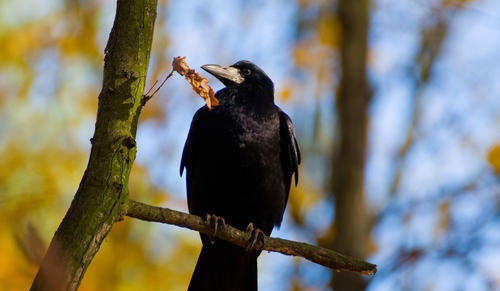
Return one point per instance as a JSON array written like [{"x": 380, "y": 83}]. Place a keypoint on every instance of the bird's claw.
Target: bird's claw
[
  {"x": 256, "y": 237},
  {"x": 215, "y": 222}
]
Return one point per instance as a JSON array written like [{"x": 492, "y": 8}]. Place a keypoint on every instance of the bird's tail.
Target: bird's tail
[{"x": 225, "y": 267}]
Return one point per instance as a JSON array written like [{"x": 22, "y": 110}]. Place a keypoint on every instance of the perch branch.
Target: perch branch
[{"x": 318, "y": 255}]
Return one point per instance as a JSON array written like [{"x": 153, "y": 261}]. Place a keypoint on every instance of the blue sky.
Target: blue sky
[{"x": 459, "y": 121}]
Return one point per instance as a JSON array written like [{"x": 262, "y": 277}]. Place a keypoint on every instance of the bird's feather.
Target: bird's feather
[{"x": 290, "y": 152}]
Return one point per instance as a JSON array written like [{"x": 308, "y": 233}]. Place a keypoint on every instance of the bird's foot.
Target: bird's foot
[
  {"x": 216, "y": 223},
  {"x": 256, "y": 237}
]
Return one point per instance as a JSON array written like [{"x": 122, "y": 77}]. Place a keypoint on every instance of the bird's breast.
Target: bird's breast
[{"x": 258, "y": 134}]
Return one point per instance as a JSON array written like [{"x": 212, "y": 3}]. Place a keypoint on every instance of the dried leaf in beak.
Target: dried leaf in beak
[{"x": 198, "y": 82}]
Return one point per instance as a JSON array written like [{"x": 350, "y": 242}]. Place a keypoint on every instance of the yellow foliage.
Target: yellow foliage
[
  {"x": 493, "y": 158},
  {"x": 16, "y": 273},
  {"x": 128, "y": 260},
  {"x": 328, "y": 29},
  {"x": 285, "y": 93},
  {"x": 43, "y": 159},
  {"x": 302, "y": 199}
]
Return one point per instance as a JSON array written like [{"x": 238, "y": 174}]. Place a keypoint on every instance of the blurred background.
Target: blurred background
[{"x": 401, "y": 155}]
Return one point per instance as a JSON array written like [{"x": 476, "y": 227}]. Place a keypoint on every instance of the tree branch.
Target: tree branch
[
  {"x": 352, "y": 218},
  {"x": 98, "y": 202},
  {"x": 318, "y": 255}
]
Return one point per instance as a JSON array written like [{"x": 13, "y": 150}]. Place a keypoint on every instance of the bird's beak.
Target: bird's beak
[{"x": 226, "y": 75}]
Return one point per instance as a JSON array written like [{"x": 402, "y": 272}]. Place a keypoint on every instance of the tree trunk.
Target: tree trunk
[
  {"x": 351, "y": 218},
  {"x": 99, "y": 200}
]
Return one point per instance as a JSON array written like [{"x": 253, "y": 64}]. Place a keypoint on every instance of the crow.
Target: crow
[{"x": 239, "y": 158}]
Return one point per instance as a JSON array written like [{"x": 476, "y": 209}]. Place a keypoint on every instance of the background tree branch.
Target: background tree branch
[
  {"x": 352, "y": 219},
  {"x": 318, "y": 255}
]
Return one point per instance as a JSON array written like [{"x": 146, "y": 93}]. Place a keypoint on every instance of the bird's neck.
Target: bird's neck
[
  {"x": 250, "y": 100},
  {"x": 256, "y": 100}
]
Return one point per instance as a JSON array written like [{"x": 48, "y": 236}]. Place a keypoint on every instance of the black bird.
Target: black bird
[{"x": 240, "y": 157}]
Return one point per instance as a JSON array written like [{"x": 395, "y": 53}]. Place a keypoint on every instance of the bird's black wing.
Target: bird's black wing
[
  {"x": 190, "y": 155},
  {"x": 194, "y": 139},
  {"x": 290, "y": 153},
  {"x": 186, "y": 160}
]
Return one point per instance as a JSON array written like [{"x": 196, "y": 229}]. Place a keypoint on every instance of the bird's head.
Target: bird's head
[{"x": 245, "y": 76}]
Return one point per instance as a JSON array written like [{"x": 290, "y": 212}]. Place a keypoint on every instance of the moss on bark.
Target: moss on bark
[{"x": 103, "y": 191}]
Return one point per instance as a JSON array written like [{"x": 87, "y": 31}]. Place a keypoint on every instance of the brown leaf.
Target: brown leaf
[
  {"x": 197, "y": 81},
  {"x": 180, "y": 66}
]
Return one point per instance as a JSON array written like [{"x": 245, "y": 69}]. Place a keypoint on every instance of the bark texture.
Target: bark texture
[
  {"x": 348, "y": 168},
  {"x": 103, "y": 191},
  {"x": 318, "y": 255}
]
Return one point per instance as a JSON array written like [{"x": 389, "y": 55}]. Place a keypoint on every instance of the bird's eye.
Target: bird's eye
[{"x": 247, "y": 72}]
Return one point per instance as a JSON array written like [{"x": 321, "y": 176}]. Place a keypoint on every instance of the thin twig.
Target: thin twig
[
  {"x": 146, "y": 97},
  {"x": 151, "y": 88},
  {"x": 318, "y": 255},
  {"x": 162, "y": 83}
]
